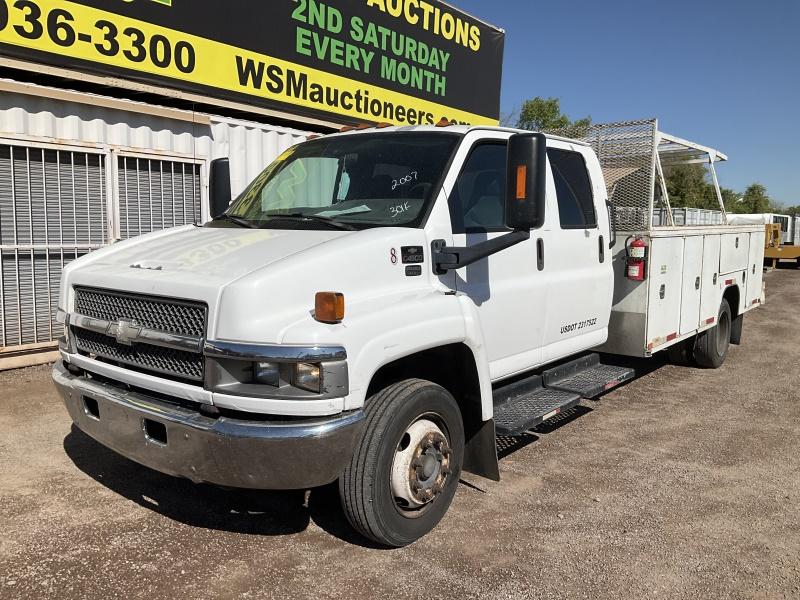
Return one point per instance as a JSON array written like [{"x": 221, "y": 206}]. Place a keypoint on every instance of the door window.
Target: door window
[
  {"x": 477, "y": 203},
  {"x": 573, "y": 190}
]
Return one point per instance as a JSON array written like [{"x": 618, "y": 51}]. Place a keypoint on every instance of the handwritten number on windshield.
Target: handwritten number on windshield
[
  {"x": 399, "y": 209},
  {"x": 396, "y": 183}
]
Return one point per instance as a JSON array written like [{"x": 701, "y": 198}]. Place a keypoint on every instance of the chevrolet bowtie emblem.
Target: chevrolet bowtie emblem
[{"x": 126, "y": 332}]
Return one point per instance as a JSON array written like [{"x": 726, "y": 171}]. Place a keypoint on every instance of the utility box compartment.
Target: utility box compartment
[
  {"x": 734, "y": 252},
  {"x": 710, "y": 286},
  {"x": 684, "y": 287},
  {"x": 665, "y": 288},
  {"x": 755, "y": 273},
  {"x": 692, "y": 283}
]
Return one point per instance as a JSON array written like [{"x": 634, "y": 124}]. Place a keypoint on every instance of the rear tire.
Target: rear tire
[
  {"x": 406, "y": 467},
  {"x": 713, "y": 344}
]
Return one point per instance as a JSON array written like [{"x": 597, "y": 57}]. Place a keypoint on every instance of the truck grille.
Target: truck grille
[
  {"x": 184, "y": 365},
  {"x": 175, "y": 317},
  {"x": 172, "y": 316}
]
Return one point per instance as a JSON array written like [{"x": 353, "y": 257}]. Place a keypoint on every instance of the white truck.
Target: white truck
[{"x": 380, "y": 304}]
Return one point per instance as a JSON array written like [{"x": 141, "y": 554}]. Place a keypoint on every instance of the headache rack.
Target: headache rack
[{"x": 633, "y": 156}]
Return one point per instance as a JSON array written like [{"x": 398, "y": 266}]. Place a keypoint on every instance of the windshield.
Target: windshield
[{"x": 348, "y": 182}]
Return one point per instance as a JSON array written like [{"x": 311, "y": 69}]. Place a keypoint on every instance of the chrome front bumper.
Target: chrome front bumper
[{"x": 229, "y": 452}]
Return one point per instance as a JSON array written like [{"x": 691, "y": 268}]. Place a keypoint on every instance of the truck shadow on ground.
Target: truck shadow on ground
[
  {"x": 257, "y": 512},
  {"x": 253, "y": 512}
]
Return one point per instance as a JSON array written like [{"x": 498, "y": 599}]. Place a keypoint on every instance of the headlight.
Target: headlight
[
  {"x": 266, "y": 373},
  {"x": 307, "y": 377}
]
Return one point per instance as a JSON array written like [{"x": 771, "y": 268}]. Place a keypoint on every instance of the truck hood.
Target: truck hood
[
  {"x": 221, "y": 255},
  {"x": 189, "y": 262},
  {"x": 257, "y": 283}
]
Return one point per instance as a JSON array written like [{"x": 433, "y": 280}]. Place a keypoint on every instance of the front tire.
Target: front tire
[
  {"x": 405, "y": 469},
  {"x": 713, "y": 344}
]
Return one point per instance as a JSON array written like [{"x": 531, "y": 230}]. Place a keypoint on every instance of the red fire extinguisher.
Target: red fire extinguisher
[{"x": 636, "y": 260}]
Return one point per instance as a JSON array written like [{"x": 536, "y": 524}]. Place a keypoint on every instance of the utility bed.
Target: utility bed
[{"x": 689, "y": 268}]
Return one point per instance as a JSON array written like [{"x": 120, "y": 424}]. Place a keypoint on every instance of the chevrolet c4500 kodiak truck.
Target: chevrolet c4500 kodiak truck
[{"x": 380, "y": 304}]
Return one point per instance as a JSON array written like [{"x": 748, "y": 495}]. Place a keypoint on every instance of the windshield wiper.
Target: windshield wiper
[
  {"x": 317, "y": 218},
  {"x": 237, "y": 220}
]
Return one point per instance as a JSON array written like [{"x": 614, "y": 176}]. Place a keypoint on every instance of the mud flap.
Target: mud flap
[
  {"x": 736, "y": 330},
  {"x": 480, "y": 453}
]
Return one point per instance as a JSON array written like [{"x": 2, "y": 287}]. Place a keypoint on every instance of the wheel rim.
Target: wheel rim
[
  {"x": 421, "y": 466},
  {"x": 723, "y": 333}
]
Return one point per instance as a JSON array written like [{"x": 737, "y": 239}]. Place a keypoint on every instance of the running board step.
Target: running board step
[
  {"x": 525, "y": 404},
  {"x": 586, "y": 376}
]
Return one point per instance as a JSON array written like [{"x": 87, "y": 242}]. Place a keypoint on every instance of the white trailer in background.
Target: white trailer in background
[{"x": 790, "y": 225}]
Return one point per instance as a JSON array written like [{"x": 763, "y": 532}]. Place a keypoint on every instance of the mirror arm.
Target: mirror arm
[{"x": 447, "y": 259}]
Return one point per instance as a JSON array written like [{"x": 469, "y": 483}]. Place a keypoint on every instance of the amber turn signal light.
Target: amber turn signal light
[
  {"x": 522, "y": 182},
  {"x": 329, "y": 307}
]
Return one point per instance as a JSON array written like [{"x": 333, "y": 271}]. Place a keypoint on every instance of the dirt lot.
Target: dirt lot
[{"x": 683, "y": 484}]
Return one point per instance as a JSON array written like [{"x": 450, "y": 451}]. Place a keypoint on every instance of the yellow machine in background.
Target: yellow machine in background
[{"x": 775, "y": 251}]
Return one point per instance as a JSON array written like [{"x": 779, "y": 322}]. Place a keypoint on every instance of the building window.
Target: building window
[
  {"x": 156, "y": 194},
  {"x": 52, "y": 211}
]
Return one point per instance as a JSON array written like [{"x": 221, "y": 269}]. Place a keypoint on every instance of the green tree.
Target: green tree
[
  {"x": 688, "y": 187},
  {"x": 732, "y": 200},
  {"x": 544, "y": 114},
  {"x": 755, "y": 199}
]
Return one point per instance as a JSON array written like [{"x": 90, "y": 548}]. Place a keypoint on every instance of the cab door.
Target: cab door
[
  {"x": 577, "y": 263},
  {"x": 507, "y": 288}
]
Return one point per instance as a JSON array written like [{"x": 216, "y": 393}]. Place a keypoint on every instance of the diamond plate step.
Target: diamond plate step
[
  {"x": 525, "y": 404},
  {"x": 586, "y": 376}
]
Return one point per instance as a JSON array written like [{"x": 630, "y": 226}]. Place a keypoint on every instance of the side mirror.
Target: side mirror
[
  {"x": 526, "y": 186},
  {"x": 219, "y": 187}
]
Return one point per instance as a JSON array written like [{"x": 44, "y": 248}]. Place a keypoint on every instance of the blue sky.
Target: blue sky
[{"x": 725, "y": 74}]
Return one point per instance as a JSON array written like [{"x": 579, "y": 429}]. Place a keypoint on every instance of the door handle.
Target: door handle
[
  {"x": 602, "y": 250},
  {"x": 540, "y": 254},
  {"x": 697, "y": 283}
]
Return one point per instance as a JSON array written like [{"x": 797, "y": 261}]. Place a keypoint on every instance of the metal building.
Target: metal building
[{"x": 79, "y": 171}]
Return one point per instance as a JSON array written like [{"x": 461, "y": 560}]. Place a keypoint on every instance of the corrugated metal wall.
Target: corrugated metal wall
[{"x": 75, "y": 177}]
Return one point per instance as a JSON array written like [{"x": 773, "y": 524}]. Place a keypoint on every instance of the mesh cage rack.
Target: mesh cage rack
[{"x": 632, "y": 155}]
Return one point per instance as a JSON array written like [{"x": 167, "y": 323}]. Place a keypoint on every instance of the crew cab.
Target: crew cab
[{"x": 379, "y": 304}]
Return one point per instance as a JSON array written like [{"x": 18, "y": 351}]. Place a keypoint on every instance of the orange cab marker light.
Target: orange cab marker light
[
  {"x": 346, "y": 128},
  {"x": 329, "y": 307},
  {"x": 383, "y": 125},
  {"x": 443, "y": 123},
  {"x": 522, "y": 179},
  {"x": 363, "y": 126}
]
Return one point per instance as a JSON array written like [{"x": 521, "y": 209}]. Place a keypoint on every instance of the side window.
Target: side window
[
  {"x": 573, "y": 190},
  {"x": 477, "y": 203}
]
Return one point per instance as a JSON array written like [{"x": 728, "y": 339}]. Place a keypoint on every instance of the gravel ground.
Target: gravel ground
[{"x": 683, "y": 484}]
